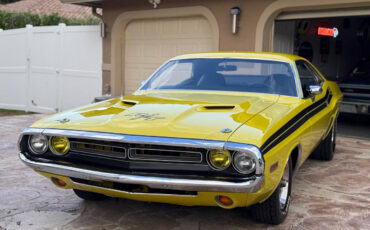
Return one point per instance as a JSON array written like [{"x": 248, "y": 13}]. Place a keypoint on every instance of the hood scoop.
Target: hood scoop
[
  {"x": 129, "y": 102},
  {"x": 218, "y": 107}
]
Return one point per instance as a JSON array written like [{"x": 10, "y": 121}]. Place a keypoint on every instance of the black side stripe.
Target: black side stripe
[{"x": 296, "y": 122}]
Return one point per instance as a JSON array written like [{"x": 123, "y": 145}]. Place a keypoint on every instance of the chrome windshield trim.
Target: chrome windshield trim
[
  {"x": 252, "y": 185},
  {"x": 232, "y": 57},
  {"x": 298, "y": 80}
]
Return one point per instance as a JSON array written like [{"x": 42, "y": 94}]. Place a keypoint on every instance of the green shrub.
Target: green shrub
[
  {"x": 9, "y": 20},
  {"x": 8, "y": 1}
]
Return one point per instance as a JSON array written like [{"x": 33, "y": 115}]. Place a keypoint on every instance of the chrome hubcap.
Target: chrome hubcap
[
  {"x": 284, "y": 188},
  {"x": 333, "y": 134},
  {"x": 333, "y": 137}
]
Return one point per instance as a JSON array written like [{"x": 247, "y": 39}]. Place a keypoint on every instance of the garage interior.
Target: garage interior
[{"x": 334, "y": 54}]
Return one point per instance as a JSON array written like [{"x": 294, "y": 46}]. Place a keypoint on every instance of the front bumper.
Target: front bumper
[
  {"x": 355, "y": 106},
  {"x": 249, "y": 186}
]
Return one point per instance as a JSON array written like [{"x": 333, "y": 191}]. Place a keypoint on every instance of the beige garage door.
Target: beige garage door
[{"x": 151, "y": 42}]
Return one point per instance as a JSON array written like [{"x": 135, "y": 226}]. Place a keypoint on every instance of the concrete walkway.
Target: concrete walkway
[{"x": 326, "y": 195}]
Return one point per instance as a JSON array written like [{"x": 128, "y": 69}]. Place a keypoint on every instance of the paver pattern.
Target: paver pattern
[{"x": 326, "y": 195}]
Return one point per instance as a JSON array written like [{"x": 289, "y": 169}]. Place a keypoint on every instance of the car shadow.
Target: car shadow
[{"x": 354, "y": 125}]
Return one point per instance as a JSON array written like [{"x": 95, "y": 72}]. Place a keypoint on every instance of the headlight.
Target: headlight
[
  {"x": 219, "y": 159},
  {"x": 244, "y": 162},
  {"x": 38, "y": 144},
  {"x": 59, "y": 145}
]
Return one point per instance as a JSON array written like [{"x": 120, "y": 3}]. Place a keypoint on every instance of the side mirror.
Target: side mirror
[{"x": 314, "y": 90}]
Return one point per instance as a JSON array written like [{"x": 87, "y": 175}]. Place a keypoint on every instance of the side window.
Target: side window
[
  {"x": 315, "y": 73},
  {"x": 307, "y": 75}
]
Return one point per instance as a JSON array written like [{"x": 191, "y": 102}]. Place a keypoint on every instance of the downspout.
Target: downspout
[
  {"x": 96, "y": 14},
  {"x": 103, "y": 30}
]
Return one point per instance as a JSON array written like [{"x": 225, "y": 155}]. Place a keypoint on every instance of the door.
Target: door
[
  {"x": 317, "y": 109},
  {"x": 150, "y": 42},
  {"x": 284, "y": 37}
]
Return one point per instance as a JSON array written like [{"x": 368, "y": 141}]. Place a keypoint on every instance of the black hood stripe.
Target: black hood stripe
[{"x": 296, "y": 122}]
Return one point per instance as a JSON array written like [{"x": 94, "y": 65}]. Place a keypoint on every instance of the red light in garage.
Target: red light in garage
[{"x": 330, "y": 32}]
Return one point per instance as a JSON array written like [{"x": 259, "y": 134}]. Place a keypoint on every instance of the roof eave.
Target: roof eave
[{"x": 92, "y": 3}]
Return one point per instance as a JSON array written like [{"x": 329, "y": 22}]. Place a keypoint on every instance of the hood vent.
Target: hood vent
[
  {"x": 219, "y": 107},
  {"x": 129, "y": 103}
]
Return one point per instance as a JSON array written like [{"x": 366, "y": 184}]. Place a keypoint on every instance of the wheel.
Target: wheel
[
  {"x": 89, "y": 195},
  {"x": 325, "y": 150},
  {"x": 334, "y": 133},
  {"x": 275, "y": 209}
]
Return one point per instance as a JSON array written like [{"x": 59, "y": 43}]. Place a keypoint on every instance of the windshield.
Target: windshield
[{"x": 225, "y": 74}]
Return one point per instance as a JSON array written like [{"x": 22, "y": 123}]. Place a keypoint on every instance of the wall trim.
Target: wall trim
[
  {"x": 118, "y": 35},
  {"x": 265, "y": 24},
  {"x": 107, "y": 67}
]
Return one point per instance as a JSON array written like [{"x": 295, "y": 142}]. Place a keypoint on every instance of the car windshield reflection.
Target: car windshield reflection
[{"x": 225, "y": 74}]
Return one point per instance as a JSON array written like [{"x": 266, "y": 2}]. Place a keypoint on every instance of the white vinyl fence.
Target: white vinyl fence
[{"x": 49, "y": 69}]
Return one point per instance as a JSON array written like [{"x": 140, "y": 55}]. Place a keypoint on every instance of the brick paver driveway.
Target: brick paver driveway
[{"x": 326, "y": 195}]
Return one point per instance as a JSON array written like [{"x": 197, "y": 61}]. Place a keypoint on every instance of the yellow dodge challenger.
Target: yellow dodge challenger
[{"x": 210, "y": 129}]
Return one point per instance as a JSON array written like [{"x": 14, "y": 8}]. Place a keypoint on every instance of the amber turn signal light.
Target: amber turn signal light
[
  {"x": 224, "y": 200},
  {"x": 274, "y": 166},
  {"x": 58, "y": 182}
]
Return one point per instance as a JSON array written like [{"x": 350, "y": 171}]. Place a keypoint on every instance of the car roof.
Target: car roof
[{"x": 253, "y": 55}]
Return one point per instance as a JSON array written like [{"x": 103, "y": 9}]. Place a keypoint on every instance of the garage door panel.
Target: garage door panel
[
  {"x": 171, "y": 49},
  {"x": 133, "y": 49},
  {"x": 164, "y": 28},
  {"x": 139, "y": 29},
  {"x": 151, "y": 50},
  {"x": 134, "y": 82},
  {"x": 190, "y": 25},
  {"x": 149, "y": 43}
]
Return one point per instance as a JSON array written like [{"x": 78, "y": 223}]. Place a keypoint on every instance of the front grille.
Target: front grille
[
  {"x": 110, "y": 151},
  {"x": 137, "y": 152},
  {"x": 166, "y": 155}
]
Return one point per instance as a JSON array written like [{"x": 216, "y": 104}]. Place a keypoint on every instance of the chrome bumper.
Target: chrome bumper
[
  {"x": 355, "y": 106},
  {"x": 152, "y": 182}
]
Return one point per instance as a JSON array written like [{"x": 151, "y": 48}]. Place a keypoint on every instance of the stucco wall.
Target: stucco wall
[
  {"x": 243, "y": 41},
  {"x": 256, "y": 24}
]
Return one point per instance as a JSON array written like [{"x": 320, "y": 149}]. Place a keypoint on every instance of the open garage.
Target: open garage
[
  {"x": 339, "y": 46},
  {"x": 336, "y": 55}
]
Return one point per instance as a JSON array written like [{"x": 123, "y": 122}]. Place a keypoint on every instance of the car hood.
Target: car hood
[{"x": 183, "y": 114}]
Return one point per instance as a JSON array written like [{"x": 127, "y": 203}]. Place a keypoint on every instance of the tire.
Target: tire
[
  {"x": 274, "y": 210},
  {"x": 85, "y": 195},
  {"x": 325, "y": 150}
]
